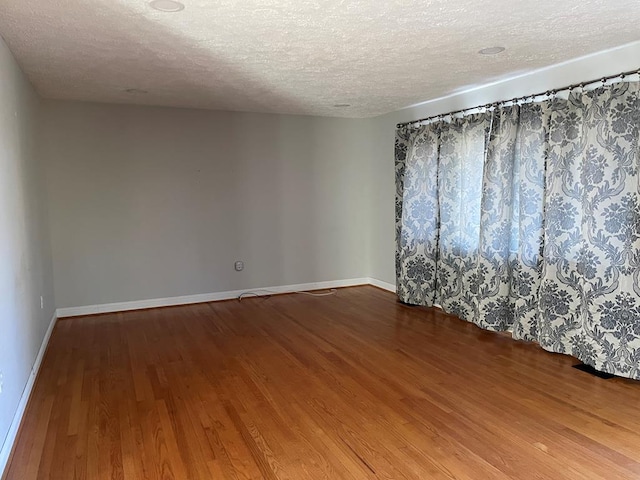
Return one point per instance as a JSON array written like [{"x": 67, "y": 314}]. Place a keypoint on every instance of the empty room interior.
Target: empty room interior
[{"x": 295, "y": 239}]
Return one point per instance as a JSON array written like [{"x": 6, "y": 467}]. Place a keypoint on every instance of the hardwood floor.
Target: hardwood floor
[{"x": 351, "y": 386}]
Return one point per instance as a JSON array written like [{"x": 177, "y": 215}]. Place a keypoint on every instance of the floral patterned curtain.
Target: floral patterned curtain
[{"x": 527, "y": 218}]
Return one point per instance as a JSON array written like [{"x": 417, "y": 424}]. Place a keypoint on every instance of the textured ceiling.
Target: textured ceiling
[{"x": 298, "y": 56}]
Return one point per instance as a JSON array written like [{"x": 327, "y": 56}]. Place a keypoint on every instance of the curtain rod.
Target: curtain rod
[{"x": 523, "y": 98}]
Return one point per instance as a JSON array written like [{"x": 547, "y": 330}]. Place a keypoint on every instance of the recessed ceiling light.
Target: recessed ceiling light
[
  {"x": 166, "y": 5},
  {"x": 491, "y": 50},
  {"x": 342, "y": 105},
  {"x": 135, "y": 91}
]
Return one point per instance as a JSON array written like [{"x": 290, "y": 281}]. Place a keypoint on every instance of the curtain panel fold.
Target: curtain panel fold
[{"x": 527, "y": 218}]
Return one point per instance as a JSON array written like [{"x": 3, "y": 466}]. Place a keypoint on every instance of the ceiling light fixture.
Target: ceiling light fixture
[
  {"x": 491, "y": 50},
  {"x": 166, "y": 5},
  {"x": 342, "y": 105}
]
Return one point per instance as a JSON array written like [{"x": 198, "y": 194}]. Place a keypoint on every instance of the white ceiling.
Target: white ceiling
[{"x": 298, "y": 56}]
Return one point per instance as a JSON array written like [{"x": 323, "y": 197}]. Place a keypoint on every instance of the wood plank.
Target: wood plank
[{"x": 350, "y": 386}]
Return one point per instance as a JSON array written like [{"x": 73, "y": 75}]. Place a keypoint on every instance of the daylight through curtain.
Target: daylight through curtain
[{"x": 527, "y": 218}]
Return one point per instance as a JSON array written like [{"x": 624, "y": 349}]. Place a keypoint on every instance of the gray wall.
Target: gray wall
[
  {"x": 159, "y": 202},
  {"x": 25, "y": 263},
  {"x": 382, "y": 231},
  {"x": 156, "y": 202}
]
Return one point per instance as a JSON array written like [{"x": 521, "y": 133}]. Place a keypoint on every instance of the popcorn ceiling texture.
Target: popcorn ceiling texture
[{"x": 298, "y": 56}]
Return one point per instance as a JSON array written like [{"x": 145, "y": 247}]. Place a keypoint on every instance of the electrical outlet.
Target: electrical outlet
[
  {"x": 239, "y": 266},
  {"x": 41, "y": 302}
]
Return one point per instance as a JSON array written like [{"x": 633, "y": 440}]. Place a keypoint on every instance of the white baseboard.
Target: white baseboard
[
  {"x": 384, "y": 285},
  {"x": 9, "y": 441},
  {"x": 203, "y": 297}
]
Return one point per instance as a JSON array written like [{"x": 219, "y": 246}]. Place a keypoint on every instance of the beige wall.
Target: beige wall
[
  {"x": 25, "y": 263},
  {"x": 382, "y": 231},
  {"x": 159, "y": 202}
]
